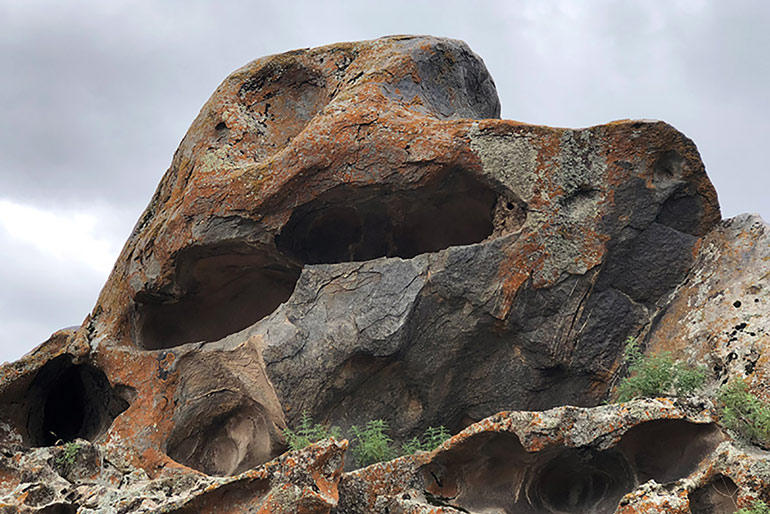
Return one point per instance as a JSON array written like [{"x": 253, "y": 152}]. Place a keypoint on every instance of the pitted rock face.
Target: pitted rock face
[
  {"x": 349, "y": 231},
  {"x": 395, "y": 260},
  {"x": 642, "y": 456}
]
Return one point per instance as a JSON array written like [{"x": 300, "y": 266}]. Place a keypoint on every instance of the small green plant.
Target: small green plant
[
  {"x": 372, "y": 444},
  {"x": 744, "y": 413},
  {"x": 411, "y": 446},
  {"x": 308, "y": 433},
  {"x": 758, "y": 507},
  {"x": 68, "y": 454},
  {"x": 430, "y": 440},
  {"x": 657, "y": 375}
]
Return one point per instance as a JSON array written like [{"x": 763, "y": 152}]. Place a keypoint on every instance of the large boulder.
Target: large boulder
[{"x": 351, "y": 233}]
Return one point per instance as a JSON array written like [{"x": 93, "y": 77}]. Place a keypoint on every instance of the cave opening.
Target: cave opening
[
  {"x": 351, "y": 223},
  {"x": 494, "y": 472},
  {"x": 70, "y": 401},
  {"x": 225, "y": 289}
]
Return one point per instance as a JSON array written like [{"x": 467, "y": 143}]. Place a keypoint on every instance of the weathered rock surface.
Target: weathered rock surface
[
  {"x": 720, "y": 315},
  {"x": 570, "y": 459},
  {"x": 349, "y": 231},
  {"x": 668, "y": 455}
]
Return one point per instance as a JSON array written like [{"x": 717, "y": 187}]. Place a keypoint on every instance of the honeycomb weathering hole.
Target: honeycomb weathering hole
[
  {"x": 226, "y": 289},
  {"x": 362, "y": 223},
  {"x": 69, "y": 401},
  {"x": 223, "y": 434},
  {"x": 718, "y": 496},
  {"x": 668, "y": 449},
  {"x": 579, "y": 480},
  {"x": 493, "y": 472}
]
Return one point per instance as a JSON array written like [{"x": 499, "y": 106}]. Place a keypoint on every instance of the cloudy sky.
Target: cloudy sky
[{"x": 96, "y": 95}]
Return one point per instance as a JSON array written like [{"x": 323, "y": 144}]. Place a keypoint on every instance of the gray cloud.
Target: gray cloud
[{"x": 96, "y": 96}]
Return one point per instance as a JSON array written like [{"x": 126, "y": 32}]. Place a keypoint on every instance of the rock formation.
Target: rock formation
[{"x": 351, "y": 232}]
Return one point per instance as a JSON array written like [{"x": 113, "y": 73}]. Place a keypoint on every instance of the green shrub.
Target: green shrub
[
  {"x": 657, "y": 375},
  {"x": 66, "y": 458},
  {"x": 744, "y": 413},
  {"x": 308, "y": 433},
  {"x": 758, "y": 507},
  {"x": 372, "y": 444}
]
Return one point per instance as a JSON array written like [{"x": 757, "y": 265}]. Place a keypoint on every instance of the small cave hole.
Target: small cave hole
[
  {"x": 69, "y": 401},
  {"x": 224, "y": 290},
  {"x": 362, "y": 223},
  {"x": 581, "y": 480},
  {"x": 716, "y": 497},
  {"x": 737, "y": 304},
  {"x": 669, "y": 164}
]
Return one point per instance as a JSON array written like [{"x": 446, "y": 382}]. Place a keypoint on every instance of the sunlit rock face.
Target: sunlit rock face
[{"x": 352, "y": 233}]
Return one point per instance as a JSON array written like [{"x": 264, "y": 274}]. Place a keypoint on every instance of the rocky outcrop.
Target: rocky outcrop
[
  {"x": 720, "y": 314},
  {"x": 629, "y": 457},
  {"x": 350, "y": 232},
  {"x": 647, "y": 454}
]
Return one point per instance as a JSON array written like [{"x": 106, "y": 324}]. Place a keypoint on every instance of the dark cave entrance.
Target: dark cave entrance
[
  {"x": 363, "y": 223},
  {"x": 70, "y": 401}
]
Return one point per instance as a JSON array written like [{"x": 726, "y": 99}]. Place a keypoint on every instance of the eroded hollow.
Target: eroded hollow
[
  {"x": 669, "y": 449},
  {"x": 493, "y": 471},
  {"x": 223, "y": 289},
  {"x": 69, "y": 401},
  {"x": 223, "y": 434},
  {"x": 362, "y": 223},
  {"x": 580, "y": 480},
  {"x": 718, "y": 496}
]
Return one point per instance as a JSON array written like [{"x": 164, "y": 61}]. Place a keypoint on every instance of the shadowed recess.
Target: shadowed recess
[
  {"x": 718, "y": 496},
  {"x": 362, "y": 223},
  {"x": 68, "y": 401},
  {"x": 238, "y": 496},
  {"x": 668, "y": 449},
  {"x": 222, "y": 434},
  {"x": 58, "y": 508},
  {"x": 581, "y": 480},
  {"x": 493, "y": 471},
  {"x": 225, "y": 288}
]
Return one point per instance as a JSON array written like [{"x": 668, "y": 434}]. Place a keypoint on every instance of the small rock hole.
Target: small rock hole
[
  {"x": 716, "y": 497},
  {"x": 737, "y": 304}
]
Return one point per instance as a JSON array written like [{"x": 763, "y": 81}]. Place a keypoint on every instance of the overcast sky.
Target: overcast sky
[{"x": 96, "y": 95}]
